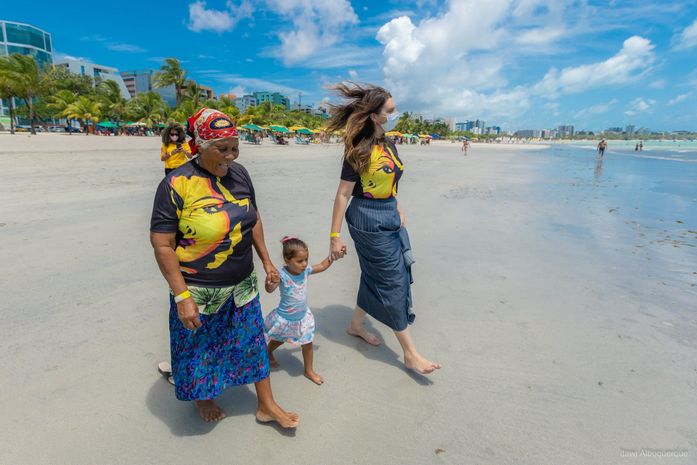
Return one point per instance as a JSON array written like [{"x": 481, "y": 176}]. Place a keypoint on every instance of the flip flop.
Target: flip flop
[{"x": 165, "y": 369}]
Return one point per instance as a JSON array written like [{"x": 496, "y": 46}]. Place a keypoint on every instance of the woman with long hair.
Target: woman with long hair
[{"x": 370, "y": 174}]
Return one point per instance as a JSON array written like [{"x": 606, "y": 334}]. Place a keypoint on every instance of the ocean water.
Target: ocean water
[{"x": 638, "y": 209}]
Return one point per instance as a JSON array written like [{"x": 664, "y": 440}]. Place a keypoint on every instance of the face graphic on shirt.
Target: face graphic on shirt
[
  {"x": 380, "y": 179},
  {"x": 205, "y": 222}
]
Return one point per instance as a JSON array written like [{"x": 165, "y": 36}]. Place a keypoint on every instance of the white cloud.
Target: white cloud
[
  {"x": 658, "y": 84},
  {"x": 635, "y": 58},
  {"x": 678, "y": 99},
  {"x": 238, "y": 91},
  {"x": 204, "y": 19},
  {"x": 639, "y": 105},
  {"x": 255, "y": 84},
  {"x": 317, "y": 25},
  {"x": 352, "y": 74},
  {"x": 467, "y": 54},
  {"x": 540, "y": 36},
  {"x": 117, "y": 47},
  {"x": 687, "y": 38},
  {"x": 596, "y": 109}
]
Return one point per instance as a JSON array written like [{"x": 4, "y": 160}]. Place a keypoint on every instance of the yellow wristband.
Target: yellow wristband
[
  {"x": 184, "y": 295},
  {"x": 335, "y": 234}
]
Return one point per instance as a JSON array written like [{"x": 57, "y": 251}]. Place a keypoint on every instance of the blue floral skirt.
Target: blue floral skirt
[{"x": 228, "y": 349}]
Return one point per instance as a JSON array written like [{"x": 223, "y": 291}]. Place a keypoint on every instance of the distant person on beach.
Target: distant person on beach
[
  {"x": 602, "y": 145},
  {"x": 636, "y": 148},
  {"x": 641, "y": 146},
  {"x": 175, "y": 151},
  {"x": 204, "y": 225},
  {"x": 292, "y": 321},
  {"x": 465, "y": 146},
  {"x": 369, "y": 177}
]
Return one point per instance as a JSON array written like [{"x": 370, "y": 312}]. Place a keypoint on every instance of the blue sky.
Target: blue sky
[{"x": 515, "y": 63}]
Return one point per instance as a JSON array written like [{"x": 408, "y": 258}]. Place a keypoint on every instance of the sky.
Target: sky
[{"x": 518, "y": 64}]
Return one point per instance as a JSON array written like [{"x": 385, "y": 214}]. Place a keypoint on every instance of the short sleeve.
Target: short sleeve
[
  {"x": 308, "y": 270},
  {"x": 165, "y": 210},
  {"x": 245, "y": 174},
  {"x": 348, "y": 173}
]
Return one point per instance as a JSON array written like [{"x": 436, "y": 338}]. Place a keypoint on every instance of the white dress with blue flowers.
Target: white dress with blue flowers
[{"x": 292, "y": 321}]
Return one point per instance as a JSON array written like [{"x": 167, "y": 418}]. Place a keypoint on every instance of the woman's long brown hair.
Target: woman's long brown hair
[{"x": 354, "y": 116}]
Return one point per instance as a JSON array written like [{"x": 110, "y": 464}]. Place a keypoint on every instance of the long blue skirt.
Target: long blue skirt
[
  {"x": 385, "y": 287},
  {"x": 228, "y": 349}
]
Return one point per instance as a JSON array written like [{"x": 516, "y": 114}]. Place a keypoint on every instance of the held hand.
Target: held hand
[
  {"x": 272, "y": 280},
  {"x": 337, "y": 248},
  {"x": 402, "y": 218},
  {"x": 188, "y": 313},
  {"x": 271, "y": 273}
]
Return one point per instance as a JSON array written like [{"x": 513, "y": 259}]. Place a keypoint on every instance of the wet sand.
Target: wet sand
[{"x": 557, "y": 348}]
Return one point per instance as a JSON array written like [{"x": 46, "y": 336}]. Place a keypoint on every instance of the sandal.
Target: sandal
[{"x": 165, "y": 369}]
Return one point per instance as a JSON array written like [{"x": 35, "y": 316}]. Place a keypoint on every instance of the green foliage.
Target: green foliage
[{"x": 408, "y": 124}]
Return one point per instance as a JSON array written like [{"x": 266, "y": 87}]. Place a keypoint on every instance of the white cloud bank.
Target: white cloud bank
[
  {"x": 687, "y": 38},
  {"x": 455, "y": 62},
  {"x": 204, "y": 19}
]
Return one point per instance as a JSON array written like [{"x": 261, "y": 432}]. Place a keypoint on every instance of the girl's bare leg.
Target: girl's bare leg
[
  {"x": 307, "y": 360},
  {"x": 273, "y": 345}
]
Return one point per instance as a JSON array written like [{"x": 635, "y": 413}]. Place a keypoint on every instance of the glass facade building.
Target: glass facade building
[{"x": 26, "y": 40}]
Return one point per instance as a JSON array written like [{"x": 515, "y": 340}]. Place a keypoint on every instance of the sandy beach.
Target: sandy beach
[{"x": 567, "y": 332}]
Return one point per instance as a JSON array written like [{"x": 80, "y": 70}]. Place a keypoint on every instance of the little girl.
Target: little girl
[
  {"x": 175, "y": 151},
  {"x": 292, "y": 320}
]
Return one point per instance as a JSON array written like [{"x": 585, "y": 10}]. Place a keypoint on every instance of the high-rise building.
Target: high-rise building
[
  {"x": 630, "y": 129},
  {"x": 460, "y": 126},
  {"x": 97, "y": 72},
  {"x": 140, "y": 81},
  {"x": 26, "y": 40},
  {"x": 529, "y": 133},
  {"x": 244, "y": 102},
  {"x": 273, "y": 97},
  {"x": 566, "y": 130}
]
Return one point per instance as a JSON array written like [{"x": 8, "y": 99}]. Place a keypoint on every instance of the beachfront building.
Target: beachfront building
[
  {"x": 529, "y": 133},
  {"x": 273, "y": 97},
  {"x": 630, "y": 129},
  {"x": 244, "y": 102},
  {"x": 97, "y": 72},
  {"x": 460, "y": 127},
  {"x": 26, "y": 40},
  {"x": 140, "y": 81},
  {"x": 564, "y": 131}
]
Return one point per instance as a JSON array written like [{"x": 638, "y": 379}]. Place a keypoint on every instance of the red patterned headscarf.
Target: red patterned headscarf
[{"x": 208, "y": 125}]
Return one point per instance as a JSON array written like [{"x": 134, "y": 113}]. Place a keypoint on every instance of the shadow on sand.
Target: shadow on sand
[
  {"x": 183, "y": 419},
  {"x": 331, "y": 323}
]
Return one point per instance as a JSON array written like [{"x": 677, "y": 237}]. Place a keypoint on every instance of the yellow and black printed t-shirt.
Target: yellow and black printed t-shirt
[
  {"x": 213, "y": 220},
  {"x": 381, "y": 179}
]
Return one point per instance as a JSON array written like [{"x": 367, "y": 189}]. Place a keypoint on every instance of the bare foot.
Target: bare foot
[
  {"x": 419, "y": 364},
  {"x": 209, "y": 410},
  {"x": 314, "y": 377},
  {"x": 364, "y": 334},
  {"x": 275, "y": 413}
]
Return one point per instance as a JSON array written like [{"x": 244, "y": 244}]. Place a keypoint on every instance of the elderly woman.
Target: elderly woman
[
  {"x": 370, "y": 174},
  {"x": 204, "y": 224}
]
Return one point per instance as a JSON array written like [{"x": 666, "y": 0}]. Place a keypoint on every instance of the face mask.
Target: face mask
[{"x": 393, "y": 116}]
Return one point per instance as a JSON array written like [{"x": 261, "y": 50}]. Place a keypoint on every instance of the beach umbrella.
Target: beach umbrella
[
  {"x": 394, "y": 133},
  {"x": 425, "y": 136},
  {"x": 160, "y": 125},
  {"x": 304, "y": 131},
  {"x": 276, "y": 128},
  {"x": 251, "y": 127},
  {"x": 136, "y": 124},
  {"x": 107, "y": 124},
  {"x": 296, "y": 128}
]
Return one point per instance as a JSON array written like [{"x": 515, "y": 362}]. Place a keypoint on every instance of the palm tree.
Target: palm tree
[
  {"x": 8, "y": 91},
  {"x": 113, "y": 104},
  {"x": 147, "y": 108},
  {"x": 60, "y": 102},
  {"x": 24, "y": 72},
  {"x": 171, "y": 73},
  {"x": 85, "y": 110}
]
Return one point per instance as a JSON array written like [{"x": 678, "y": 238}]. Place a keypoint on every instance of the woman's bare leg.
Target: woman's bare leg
[
  {"x": 356, "y": 328},
  {"x": 209, "y": 410},
  {"x": 412, "y": 359},
  {"x": 268, "y": 410},
  {"x": 307, "y": 361}
]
